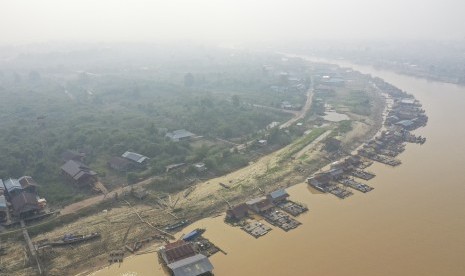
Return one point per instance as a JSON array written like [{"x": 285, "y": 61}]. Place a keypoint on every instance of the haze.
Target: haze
[{"x": 221, "y": 21}]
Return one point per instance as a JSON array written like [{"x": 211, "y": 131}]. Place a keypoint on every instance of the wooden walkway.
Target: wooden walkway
[{"x": 32, "y": 249}]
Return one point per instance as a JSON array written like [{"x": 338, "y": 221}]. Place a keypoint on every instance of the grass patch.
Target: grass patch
[{"x": 302, "y": 142}]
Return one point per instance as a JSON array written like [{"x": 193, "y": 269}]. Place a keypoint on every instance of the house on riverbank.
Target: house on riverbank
[{"x": 182, "y": 260}]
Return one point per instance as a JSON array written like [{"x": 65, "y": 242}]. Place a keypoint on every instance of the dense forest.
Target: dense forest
[{"x": 105, "y": 101}]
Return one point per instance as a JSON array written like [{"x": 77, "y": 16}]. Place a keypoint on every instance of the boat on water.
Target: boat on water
[{"x": 193, "y": 234}]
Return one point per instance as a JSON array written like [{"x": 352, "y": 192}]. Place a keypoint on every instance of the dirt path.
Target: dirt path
[
  {"x": 294, "y": 112},
  {"x": 72, "y": 208}
]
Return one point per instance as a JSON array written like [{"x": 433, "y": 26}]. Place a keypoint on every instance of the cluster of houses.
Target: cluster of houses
[
  {"x": 326, "y": 181},
  {"x": 257, "y": 205},
  {"x": 182, "y": 259},
  {"x": 275, "y": 208},
  {"x": 77, "y": 172},
  {"x": 19, "y": 199},
  {"x": 407, "y": 114}
]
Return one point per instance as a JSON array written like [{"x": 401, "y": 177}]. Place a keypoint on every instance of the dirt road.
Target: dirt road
[
  {"x": 72, "y": 208},
  {"x": 301, "y": 113}
]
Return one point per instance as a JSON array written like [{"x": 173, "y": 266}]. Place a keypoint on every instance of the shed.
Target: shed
[
  {"x": 135, "y": 157},
  {"x": 262, "y": 142},
  {"x": 180, "y": 135},
  {"x": 192, "y": 266},
  {"x": 200, "y": 167}
]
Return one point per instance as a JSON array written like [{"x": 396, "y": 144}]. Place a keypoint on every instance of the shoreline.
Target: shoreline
[{"x": 217, "y": 211}]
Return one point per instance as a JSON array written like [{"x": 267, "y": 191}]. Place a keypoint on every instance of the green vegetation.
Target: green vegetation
[
  {"x": 303, "y": 142},
  {"x": 358, "y": 102},
  {"x": 106, "y": 101}
]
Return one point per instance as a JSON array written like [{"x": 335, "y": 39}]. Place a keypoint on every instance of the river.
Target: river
[{"x": 412, "y": 223}]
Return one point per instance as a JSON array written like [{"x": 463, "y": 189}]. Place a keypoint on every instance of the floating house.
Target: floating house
[
  {"x": 259, "y": 205},
  {"x": 182, "y": 260},
  {"x": 237, "y": 212},
  {"x": 278, "y": 196}
]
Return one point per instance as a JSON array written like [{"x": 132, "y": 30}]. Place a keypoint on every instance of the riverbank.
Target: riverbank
[{"x": 119, "y": 224}]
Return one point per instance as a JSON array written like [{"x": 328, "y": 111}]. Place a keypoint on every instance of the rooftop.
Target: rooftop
[
  {"x": 2, "y": 202},
  {"x": 191, "y": 266},
  {"x": 279, "y": 193},
  {"x": 179, "y": 134},
  {"x": 177, "y": 251},
  {"x": 12, "y": 184},
  {"x": 136, "y": 157},
  {"x": 77, "y": 170}
]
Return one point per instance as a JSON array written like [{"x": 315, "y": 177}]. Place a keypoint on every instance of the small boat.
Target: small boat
[
  {"x": 177, "y": 225},
  {"x": 71, "y": 239},
  {"x": 193, "y": 234}
]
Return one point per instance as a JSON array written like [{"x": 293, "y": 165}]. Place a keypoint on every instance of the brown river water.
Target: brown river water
[{"x": 412, "y": 223}]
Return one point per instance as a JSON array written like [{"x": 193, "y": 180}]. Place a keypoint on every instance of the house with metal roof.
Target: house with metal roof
[
  {"x": 78, "y": 173},
  {"x": 278, "y": 195},
  {"x": 192, "y": 266},
  {"x": 16, "y": 186},
  {"x": 176, "y": 251},
  {"x": 181, "y": 258},
  {"x": 260, "y": 204},
  {"x": 180, "y": 135},
  {"x": 137, "y": 158},
  {"x": 407, "y": 124}
]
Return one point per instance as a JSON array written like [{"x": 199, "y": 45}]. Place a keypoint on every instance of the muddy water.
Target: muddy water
[{"x": 413, "y": 223}]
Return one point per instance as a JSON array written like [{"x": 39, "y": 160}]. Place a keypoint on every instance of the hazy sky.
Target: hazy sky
[{"x": 23, "y": 21}]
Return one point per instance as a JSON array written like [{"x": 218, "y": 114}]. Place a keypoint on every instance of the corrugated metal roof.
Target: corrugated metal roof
[
  {"x": 191, "y": 266},
  {"x": 278, "y": 193},
  {"x": 12, "y": 184},
  {"x": 136, "y": 157},
  {"x": 177, "y": 250},
  {"x": 179, "y": 134},
  {"x": 2, "y": 201},
  {"x": 76, "y": 169}
]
